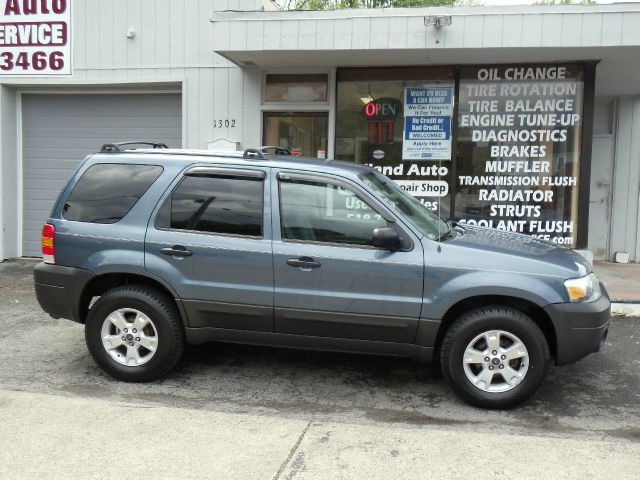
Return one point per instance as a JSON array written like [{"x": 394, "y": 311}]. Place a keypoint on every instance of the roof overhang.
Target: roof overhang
[{"x": 608, "y": 34}]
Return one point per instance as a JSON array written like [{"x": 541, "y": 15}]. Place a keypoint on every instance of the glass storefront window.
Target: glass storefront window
[
  {"x": 372, "y": 121},
  {"x": 518, "y": 157},
  {"x": 302, "y": 133},
  {"x": 296, "y": 88},
  {"x": 515, "y": 139}
]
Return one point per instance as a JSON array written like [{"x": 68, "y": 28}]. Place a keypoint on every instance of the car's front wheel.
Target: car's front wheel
[
  {"x": 134, "y": 333},
  {"x": 494, "y": 357}
]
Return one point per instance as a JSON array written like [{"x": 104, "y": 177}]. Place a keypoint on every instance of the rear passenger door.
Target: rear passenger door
[{"x": 210, "y": 238}]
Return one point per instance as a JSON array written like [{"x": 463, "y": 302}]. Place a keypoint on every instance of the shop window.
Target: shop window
[
  {"x": 518, "y": 158},
  {"x": 302, "y": 133},
  {"x": 375, "y": 126},
  {"x": 508, "y": 157},
  {"x": 296, "y": 88}
]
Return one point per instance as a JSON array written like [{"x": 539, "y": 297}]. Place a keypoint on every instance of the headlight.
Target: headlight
[{"x": 583, "y": 289}]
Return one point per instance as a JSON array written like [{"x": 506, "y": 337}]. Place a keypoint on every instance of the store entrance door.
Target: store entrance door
[{"x": 303, "y": 133}]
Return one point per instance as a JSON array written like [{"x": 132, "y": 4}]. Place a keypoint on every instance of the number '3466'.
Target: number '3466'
[{"x": 37, "y": 61}]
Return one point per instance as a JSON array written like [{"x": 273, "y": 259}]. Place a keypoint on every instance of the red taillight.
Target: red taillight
[{"x": 48, "y": 238}]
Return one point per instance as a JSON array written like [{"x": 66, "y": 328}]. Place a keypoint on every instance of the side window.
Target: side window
[
  {"x": 325, "y": 212},
  {"x": 222, "y": 204},
  {"x": 107, "y": 191}
]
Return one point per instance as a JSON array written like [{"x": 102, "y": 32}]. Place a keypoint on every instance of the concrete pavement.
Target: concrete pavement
[
  {"x": 623, "y": 284},
  {"x": 65, "y": 438},
  {"x": 621, "y": 279}
]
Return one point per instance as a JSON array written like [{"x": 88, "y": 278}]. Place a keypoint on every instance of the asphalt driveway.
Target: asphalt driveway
[{"x": 595, "y": 399}]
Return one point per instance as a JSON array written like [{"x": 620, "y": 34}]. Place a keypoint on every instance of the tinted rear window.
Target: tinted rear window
[{"x": 106, "y": 192}]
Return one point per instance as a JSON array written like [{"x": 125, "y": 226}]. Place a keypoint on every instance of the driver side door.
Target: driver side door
[{"x": 329, "y": 279}]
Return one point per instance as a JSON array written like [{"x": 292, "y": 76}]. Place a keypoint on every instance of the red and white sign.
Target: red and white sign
[{"x": 35, "y": 38}]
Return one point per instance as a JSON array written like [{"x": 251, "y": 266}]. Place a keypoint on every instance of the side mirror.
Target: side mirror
[{"x": 386, "y": 238}]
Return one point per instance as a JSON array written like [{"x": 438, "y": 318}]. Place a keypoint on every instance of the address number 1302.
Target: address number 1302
[{"x": 224, "y": 123}]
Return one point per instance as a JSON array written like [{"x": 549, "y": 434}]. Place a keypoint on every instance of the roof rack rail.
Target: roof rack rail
[
  {"x": 252, "y": 153},
  {"x": 261, "y": 151},
  {"x": 276, "y": 150},
  {"x": 115, "y": 147}
]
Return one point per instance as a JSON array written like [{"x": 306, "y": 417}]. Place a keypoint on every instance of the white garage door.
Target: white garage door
[{"x": 60, "y": 130}]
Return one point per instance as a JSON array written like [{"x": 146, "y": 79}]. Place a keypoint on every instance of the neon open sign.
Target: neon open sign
[
  {"x": 382, "y": 109},
  {"x": 381, "y": 114}
]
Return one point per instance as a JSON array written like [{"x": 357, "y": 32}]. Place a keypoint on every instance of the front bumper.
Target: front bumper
[
  {"x": 58, "y": 289},
  {"x": 581, "y": 328}
]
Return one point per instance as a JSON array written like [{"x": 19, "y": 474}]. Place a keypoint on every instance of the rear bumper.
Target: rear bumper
[
  {"x": 581, "y": 328},
  {"x": 58, "y": 289}
]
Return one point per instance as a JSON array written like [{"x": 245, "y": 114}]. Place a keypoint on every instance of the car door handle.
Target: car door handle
[
  {"x": 303, "y": 262},
  {"x": 176, "y": 251}
]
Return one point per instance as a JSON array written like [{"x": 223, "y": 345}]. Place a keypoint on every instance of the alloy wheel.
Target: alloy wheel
[
  {"x": 496, "y": 361},
  {"x": 129, "y": 337}
]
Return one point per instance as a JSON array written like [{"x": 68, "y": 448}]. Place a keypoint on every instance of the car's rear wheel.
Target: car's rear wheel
[
  {"x": 134, "y": 333},
  {"x": 494, "y": 357}
]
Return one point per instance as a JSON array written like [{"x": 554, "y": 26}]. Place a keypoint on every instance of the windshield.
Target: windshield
[{"x": 403, "y": 203}]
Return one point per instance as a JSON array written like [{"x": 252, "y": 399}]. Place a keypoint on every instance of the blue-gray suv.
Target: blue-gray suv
[{"x": 154, "y": 248}]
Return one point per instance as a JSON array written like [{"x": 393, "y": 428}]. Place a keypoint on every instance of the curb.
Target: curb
[{"x": 625, "y": 309}]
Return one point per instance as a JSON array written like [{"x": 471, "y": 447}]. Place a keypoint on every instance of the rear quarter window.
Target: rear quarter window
[{"x": 106, "y": 192}]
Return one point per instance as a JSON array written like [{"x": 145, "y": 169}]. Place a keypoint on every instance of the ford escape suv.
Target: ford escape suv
[{"x": 154, "y": 248}]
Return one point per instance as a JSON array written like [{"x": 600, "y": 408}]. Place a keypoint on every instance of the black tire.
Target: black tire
[
  {"x": 475, "y": 322},
  {"x": 160, "y": 309}
]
